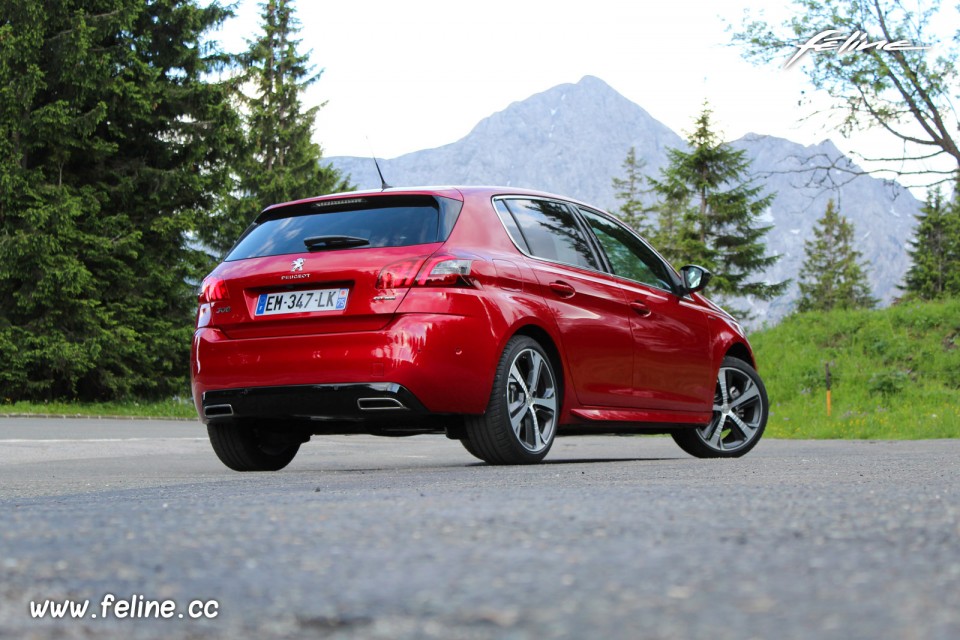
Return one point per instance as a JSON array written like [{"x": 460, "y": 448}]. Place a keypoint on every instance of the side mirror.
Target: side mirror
[{"x": 694, "y": 278}]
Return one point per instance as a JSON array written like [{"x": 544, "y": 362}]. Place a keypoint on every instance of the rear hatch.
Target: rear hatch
[{"x": 328, "y": 265}]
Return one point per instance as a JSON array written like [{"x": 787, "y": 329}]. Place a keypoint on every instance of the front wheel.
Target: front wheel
[
  {"x": 740, "y": 411},
  {"x": 521, "y": 418},
  {"x": 241, "y": 448}
]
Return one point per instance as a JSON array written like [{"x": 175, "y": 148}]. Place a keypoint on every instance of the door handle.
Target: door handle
[
  {"x": 562, "y": 289},
  {"x": 642, "y": 310}
]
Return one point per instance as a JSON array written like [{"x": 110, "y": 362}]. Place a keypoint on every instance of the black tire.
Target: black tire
[
  {"x": 740, "y": 412},
  {"x": 239, "y": 447},
  {"x": 468, "y": 445},
  {"x": 520, "y": 422}
]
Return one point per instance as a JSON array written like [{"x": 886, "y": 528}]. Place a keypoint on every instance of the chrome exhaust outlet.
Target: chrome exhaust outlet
[
  {"x": 218, "y": 410},
  {"x": 379, "y": 404}
]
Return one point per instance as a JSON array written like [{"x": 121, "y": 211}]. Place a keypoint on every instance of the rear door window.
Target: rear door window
[
  {"x": 381, "y": 221},
  {"x": 546, "y": 229}
]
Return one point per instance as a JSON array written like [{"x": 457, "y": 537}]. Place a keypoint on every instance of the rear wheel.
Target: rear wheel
[
  {"x": 740, "y": 411},
  {"x": 521, "y": 418},
  {"x": 241, "y": 448},
  {"x": 468, "y": 445}
]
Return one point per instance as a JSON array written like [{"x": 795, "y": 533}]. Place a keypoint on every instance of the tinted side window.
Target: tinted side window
[
  {"x": 629, "y": 257},
  {"x": 547, "y": 230}
]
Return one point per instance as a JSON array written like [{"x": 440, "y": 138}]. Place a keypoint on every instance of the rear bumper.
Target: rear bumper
[
  {"x": 333, "y": 408},
  {"x": 428, "y": 363},
  {"x": 316, "y": 402}
]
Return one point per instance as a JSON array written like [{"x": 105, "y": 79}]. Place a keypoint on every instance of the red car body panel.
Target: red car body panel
[{"x": 627, "y": 353}]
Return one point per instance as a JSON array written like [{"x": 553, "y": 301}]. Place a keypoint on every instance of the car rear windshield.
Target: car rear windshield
[{"x": 383, "y": 221}]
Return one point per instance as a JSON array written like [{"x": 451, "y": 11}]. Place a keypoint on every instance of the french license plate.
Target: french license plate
[{"x": 271, "y": 304}]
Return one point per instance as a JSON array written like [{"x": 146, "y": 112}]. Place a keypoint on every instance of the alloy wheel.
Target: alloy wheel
[
  {"x": 532, "y": 400},
  {"x": 738, "y": 412}
]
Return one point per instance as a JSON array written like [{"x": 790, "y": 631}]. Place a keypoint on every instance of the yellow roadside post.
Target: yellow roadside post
[{"x": 826, "y": 366}]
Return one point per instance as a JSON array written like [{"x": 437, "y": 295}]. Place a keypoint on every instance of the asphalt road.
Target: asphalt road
[{"x": 362, "y": 537}]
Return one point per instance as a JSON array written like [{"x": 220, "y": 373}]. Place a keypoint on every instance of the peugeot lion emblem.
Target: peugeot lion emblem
[{"x": 297, "y": 265}]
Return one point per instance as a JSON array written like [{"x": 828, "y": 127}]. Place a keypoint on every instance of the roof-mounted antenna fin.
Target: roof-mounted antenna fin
[{"x": 383, "y": 183}]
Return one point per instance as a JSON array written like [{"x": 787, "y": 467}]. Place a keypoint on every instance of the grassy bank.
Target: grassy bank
[
  {"x": 896, "y": 373},
  {"x": 173, "y": 408}
]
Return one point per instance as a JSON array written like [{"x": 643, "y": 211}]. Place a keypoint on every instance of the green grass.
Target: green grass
[
  {"x": 896, "y": 373},
  {"x": 173, "y": 408}
]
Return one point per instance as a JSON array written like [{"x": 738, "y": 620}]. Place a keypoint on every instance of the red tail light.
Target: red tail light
[
  {"x": 445, "y": 271},
  {"x": 399, "y": 275},
  {"x": 212, "y": 289},
  {"x": 439, "y": 271}
]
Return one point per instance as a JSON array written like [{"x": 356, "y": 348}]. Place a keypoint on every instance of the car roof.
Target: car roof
[{"x": 458, "y": 192}]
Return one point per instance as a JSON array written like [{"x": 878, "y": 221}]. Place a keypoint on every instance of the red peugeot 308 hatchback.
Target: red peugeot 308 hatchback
[{"x": 501, "y": 317}]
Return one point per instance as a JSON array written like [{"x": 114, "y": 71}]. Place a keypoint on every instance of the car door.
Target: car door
[
  {"x": 671, "y": 333},
  {"x": 589, "y": 309}
]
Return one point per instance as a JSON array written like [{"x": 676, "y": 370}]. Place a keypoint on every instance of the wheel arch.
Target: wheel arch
[
  {"x": 742, "y": 352},
  {"x": 543, "y": 337}
]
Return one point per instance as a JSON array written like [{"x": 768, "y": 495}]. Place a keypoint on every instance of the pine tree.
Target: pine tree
[
  {"x": 935, "y": 250},
  {"x": 111, "y": 142},
  {"x": 628, "y": 191},
  {"x": 709, "y": 212},
  {"x": 676, "y": 237},
  {"x": 832, "y": 276},
  {"x": 278, "y": 160}
]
